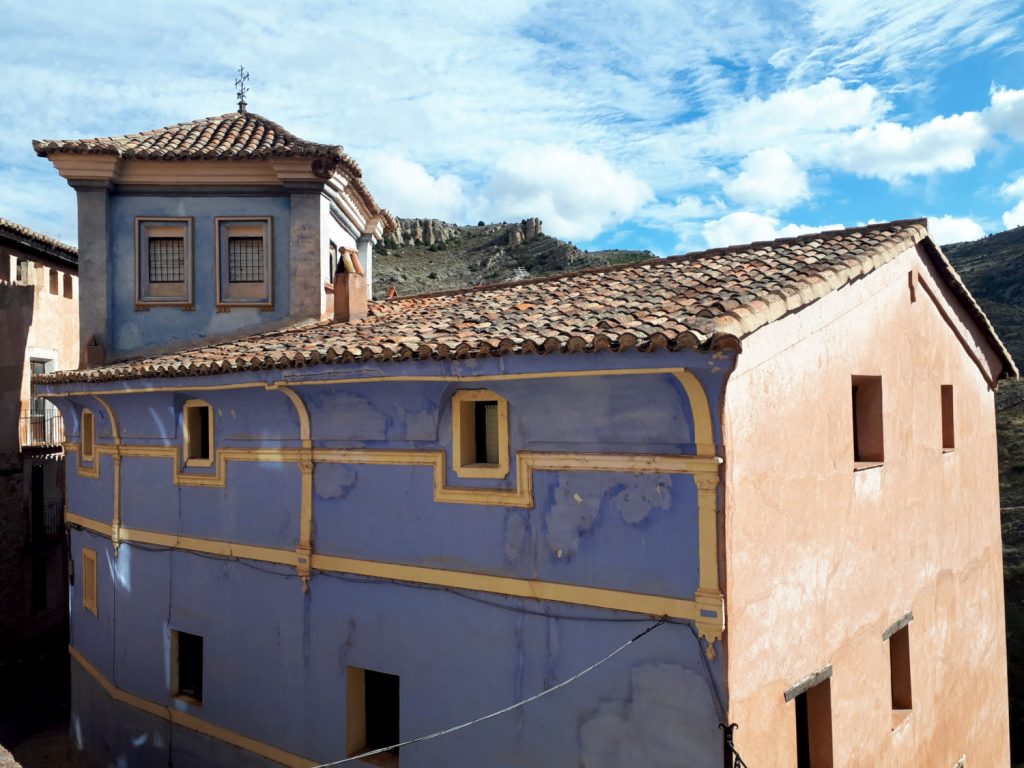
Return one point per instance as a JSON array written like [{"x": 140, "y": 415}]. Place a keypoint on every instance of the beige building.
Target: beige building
[{"x": 38, "y": 334}]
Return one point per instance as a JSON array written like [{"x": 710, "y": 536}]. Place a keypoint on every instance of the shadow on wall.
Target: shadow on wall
[{"x": 17, "y": 303}]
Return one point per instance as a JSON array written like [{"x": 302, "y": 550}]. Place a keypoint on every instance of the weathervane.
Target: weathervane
[{"x": 240, "y": 84}]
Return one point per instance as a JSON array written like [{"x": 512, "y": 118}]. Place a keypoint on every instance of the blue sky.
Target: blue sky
[{"x": 664, "y": 125}]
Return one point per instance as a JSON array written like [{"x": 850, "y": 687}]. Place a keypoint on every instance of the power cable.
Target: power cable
[{"x": 509, "y": 708}]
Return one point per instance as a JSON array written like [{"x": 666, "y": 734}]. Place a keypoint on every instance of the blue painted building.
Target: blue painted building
[{"x": 305, "y": 526}]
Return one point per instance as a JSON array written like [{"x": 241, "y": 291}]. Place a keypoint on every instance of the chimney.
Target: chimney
[
  {"x": 93, "y": 354},
  {"x": 350, "y": 290}
]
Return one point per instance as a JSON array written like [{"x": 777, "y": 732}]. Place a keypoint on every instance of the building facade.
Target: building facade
[
  {"x": 345, "y": 532},
  {"x": 38, "y": 334}
]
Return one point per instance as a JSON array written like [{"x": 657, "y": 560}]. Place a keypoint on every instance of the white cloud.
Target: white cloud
[
  {"x": 1014, "y": 188},
  {"x": 770, "y": 179},
  {"x": 954, "y": 229},
  {"x": 578, "y": 195},
  {"x": 892, "y": 151},
  {"x": 1006, "y": 112},
  {"x": 406, "y": 188},
  {"x": 743, "y": 227},
  {"x": 1015, "y": 216}
]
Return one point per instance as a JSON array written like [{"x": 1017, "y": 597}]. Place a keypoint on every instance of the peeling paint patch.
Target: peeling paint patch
[
  {"x": 636, "y": 500},
  {"x": 662, "y": 724},
  {"x": 569, "y": 516},
  {"x": 334, "y": 481}
]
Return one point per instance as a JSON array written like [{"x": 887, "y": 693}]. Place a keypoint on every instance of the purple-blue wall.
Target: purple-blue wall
[{"x": 275, "y": 657}]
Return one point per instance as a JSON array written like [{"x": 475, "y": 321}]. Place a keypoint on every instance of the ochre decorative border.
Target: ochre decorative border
[
  {"x": 559, "y": 592},
  {"x": 190, "y": 721},
  {"x": 706, "y": 609}
]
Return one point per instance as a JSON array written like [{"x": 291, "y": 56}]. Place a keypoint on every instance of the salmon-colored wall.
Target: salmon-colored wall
[
  {"x": 820, "y": 559},
  {"x": 34, "y": 322}
]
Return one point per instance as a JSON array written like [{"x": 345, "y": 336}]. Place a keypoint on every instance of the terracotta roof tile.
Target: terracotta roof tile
[
  {"x": 698, "y": 300},
  {"x": 21, "y": 236},
  {"x": 232, "y": 136}
]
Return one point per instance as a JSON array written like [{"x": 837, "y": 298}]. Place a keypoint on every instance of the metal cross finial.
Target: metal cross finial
[{"x": 240, "y": 84}]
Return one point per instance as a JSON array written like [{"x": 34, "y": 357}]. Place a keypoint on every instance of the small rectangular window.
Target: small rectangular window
[
  {"x": 89, "y": 589},
  {"x": 54, "y": 282},
  {"x": 899, "y": 669},
  {"x": 88, "y": 435},
  {"x": 167, "y": 260},
  {"x": 164, "y": 262},
  {"x": 187, "y": 665},
  {"x": 373, "y": 703},
  {"x": 948, "y": 430},
  {"x": 198, "y": 434},
  {"x": 486, "y": 418},
  {"x": 69, "y": 287},
  {"x": 244, "y": 263},
  {"x": 245, "y": 259},
  {"x": 480, "y": 434},
  {"x": 814, "y": 727},
  {"x": 868, "y": 443}
]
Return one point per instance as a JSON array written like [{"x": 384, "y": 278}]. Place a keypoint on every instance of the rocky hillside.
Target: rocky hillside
[{"x": 427, "y": 255}]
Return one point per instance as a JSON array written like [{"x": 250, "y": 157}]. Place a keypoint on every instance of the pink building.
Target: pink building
[{"x": 38, "y": 334}]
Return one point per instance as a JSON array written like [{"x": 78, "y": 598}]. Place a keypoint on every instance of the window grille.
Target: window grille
[
  {"x": 166, "y": 260},
  {"x": 245, "y": 259}
]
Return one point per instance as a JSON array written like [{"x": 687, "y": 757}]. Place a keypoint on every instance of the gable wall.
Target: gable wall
[{"x": 820, "y": 559}]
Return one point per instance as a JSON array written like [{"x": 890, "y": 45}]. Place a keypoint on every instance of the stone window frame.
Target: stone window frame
[
  {"x": 231, "y": 295},
  {"x": 146, "y": 296},
  {"x": 464, "y": 434}
]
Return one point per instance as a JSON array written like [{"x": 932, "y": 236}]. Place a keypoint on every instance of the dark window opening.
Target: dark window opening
[
  {"x": 948, "y": 433},
  {"x": 245, "y": 259},
  {"x": 814, "y": 727},
  {"x": 166, "y": 259},
  {"x": 189, "y": 663},
  {"x": 381, "y": 710},
  {"x": 197, "y": 427},
  {"x": 868, "y": 443},
  {"x": 485, "y": 426},
  {"x": 373, "y": 714},
  {"x": 899, "y": 668}
]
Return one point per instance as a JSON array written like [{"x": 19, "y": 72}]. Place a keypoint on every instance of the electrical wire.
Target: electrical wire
[{"x": 509, "y": 708}]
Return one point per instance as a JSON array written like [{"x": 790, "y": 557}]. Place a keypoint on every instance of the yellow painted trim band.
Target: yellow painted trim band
[
  {"x": 612, "y": 599},
  {"x": 187, "y": 720}
]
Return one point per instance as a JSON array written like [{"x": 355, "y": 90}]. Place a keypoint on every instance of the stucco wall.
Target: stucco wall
[
  {"x": 131, "y": 331},
  {"x": 35, "y": 322},
  {"x": 275, "y": 656},
  {"x": 820, "y": 559}
]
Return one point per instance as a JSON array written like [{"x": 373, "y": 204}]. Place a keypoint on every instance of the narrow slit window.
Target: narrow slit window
[
  {"x": 948, "y": 424},
  {"x": 89, "y": 600},
  {"x": 69, "y": 287},
  {"x": 486, "y": 427},
  {"x": 54, "y": 281},
  {"x": 88, "y": 435},
  {"x": 899, "y": 669},
  {"x": 188, "y": 665},
  {"x": 245, "y": 259},
  {"x": 868, "y": 444},
  {"x": 814, "y": 727},
  {"x": 198, "y": 433},
  {"x": 374, "y": 706},
  {"x": 166, "y": 259}
]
